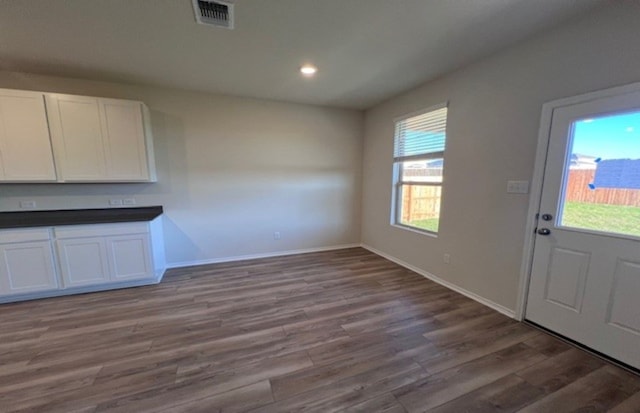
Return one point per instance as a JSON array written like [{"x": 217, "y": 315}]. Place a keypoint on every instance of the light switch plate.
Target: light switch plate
[{"x": 517, "y": 187}]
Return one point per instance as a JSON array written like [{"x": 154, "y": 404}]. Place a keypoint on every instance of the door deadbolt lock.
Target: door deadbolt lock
[{"x": 547, "y": 217}]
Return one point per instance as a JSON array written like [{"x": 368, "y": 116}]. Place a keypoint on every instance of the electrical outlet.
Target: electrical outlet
[
  {"x": 129, "y": 201},
  {"x": 446, "y": 258},
  {"x": 27, "y": 204},
  {"x": 115, "y": 202},
  {"x": 276, "y": 235},
  {"x": 517, "y": 187}
]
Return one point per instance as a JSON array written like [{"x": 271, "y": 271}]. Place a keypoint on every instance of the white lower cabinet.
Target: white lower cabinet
[
  {"x": 104, "y": 253},
  {"x": 83, "y": 261},
  {"x": 129, "y": 257},
  {"x": 88, "y": 257},
  {"x": 26, "y": 267}
]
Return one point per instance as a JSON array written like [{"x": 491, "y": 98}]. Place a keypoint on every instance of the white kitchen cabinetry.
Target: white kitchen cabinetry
[
  {"x": 100, "y": 140},
  {"x": 25, "y": 148},
  {"x": 70, "y": 259},
  {"x": 101, "y": 253},
  {"x": 83, "y": 261},
  {"x": 129, "y": 257},
  {"x": 76, "y": 133},
  {"x": 125, "y": 144},
  {"x": 26, "y": 262}
]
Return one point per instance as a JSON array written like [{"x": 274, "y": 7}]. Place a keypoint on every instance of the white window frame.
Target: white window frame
[{"x": 396, "y": 199}]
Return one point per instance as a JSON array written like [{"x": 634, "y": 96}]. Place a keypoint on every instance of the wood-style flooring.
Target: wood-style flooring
[{"x": 340, "y": 331}]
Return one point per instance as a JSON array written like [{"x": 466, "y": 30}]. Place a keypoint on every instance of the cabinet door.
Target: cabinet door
[
  {"x": 25, "y": 147},
  {"x": 129, "y": 257},
  {"x": 83, "y": 261},
  {"x": 26, "y": 268},
  {"x": 124, "y": 140},
  {"x": 76, "y": 132}
]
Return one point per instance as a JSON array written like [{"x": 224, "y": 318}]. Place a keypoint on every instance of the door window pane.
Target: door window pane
[{"x": 602, "y": 176}]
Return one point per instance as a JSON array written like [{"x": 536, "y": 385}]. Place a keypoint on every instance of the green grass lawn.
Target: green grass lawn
[
  {"x": 607, "y": 218},
  {"x": 426, "y": 224}
]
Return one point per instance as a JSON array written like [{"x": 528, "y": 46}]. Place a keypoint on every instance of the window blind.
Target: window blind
[{"x": 421, "y": 135}]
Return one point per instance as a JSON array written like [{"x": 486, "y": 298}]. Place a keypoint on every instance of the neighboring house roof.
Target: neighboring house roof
[{"x": 618, "y": 173}]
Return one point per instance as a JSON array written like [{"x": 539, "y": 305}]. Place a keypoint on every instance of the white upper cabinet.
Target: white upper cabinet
[
  {"x": 25, "y": 148},
  {"x": 100, "y": 140},
  {"x": 52, "y": 137},
  {"x": 124, "y": 140},
  {"x": 76, "y": 133}
]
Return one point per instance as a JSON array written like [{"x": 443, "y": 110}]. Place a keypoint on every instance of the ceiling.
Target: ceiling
[{"x": 366, "y": 50}]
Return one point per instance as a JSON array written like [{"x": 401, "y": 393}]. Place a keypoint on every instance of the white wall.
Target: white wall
[
  {"x": 231, "y": 171},
  {"x": 494, "y": 112}
]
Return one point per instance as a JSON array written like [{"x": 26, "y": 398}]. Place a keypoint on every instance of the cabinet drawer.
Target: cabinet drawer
[
  {"x": 100, "y": 230},
  {"x": 8, "y": 236}
]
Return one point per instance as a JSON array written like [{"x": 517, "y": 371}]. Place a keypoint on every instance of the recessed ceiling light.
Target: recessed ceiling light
[{"x": 308, "y": 70}]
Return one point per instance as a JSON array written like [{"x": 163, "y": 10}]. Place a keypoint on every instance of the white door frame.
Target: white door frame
[{"x": 535, "y": 195}]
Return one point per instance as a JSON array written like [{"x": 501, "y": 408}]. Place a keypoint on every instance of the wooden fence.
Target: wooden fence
[
  {"x": 420, "y": 202},
  {"x": 423, "y": 202},
  {"x": 578, "y": 191}
]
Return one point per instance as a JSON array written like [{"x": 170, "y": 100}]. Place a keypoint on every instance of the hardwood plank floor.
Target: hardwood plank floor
[{"x": 339, "y": 331}]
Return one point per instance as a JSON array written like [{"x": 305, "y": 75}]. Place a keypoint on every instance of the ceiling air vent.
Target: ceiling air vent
[{"x": 215, "y": 13}]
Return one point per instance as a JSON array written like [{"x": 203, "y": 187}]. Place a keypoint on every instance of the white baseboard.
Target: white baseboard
[
  {"x": 82, "y": 290},
  {"x": 256, "y": 256},
  {"x": 160, "y": 275},
  {"x": 491, "y": 304}
]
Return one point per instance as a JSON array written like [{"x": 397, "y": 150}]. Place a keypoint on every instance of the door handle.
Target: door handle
[{"x": 544, "y": 231}]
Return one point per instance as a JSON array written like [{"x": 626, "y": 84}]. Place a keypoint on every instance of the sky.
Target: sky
[{"x": 608, "y": 137}]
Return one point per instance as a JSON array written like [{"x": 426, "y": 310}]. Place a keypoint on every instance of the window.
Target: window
[
  {"x": 418, "y": 158},
  {"x": 601, "y": 189}
]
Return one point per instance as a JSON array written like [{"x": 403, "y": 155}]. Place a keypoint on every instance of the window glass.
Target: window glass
[
  {"x": 429, "y": 170},
  {"x": 602, "y": 175},
  {"x": 421, "y": 206},
  {"x": 419, "y": 145}
]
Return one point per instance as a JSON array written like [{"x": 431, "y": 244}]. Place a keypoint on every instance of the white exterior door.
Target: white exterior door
[{"x": 585, "y": 277}]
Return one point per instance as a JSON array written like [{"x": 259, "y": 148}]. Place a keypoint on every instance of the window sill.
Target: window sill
[{"x": 416, "y": 230}]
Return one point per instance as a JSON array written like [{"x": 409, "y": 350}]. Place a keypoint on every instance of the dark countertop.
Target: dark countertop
[{"x": 22, "y": 219}]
